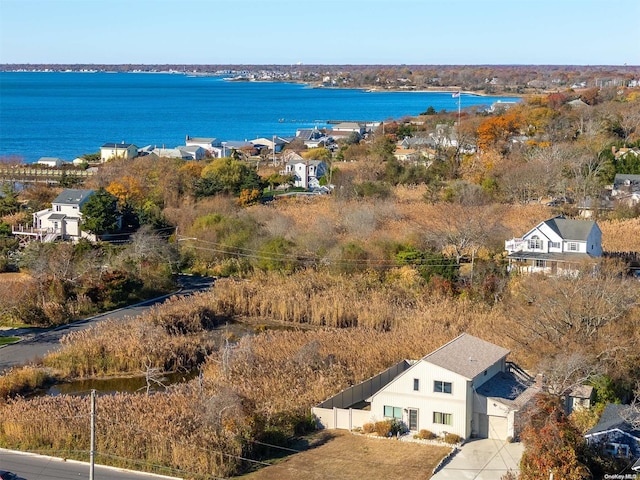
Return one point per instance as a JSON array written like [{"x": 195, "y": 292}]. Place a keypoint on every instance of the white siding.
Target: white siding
[{"x": 400, "y": 393}]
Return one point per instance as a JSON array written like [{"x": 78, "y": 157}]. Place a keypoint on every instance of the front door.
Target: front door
[{"x": 413, "y": 419}]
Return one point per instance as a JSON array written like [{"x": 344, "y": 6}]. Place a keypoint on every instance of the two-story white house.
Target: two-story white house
[
  {"x": 110, "y": 151},
  {"x": 307, "y": 173},
  {"x": 558, "y": 245},
  {"x": 64, "y": 219},
  {"x": 465, "y": 387}
]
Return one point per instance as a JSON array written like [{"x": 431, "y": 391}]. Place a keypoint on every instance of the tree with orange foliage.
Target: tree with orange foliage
[
  {"x": 552, "y": 444},
  {"x": 127, "y": 190},
  {"x": 495, "y": 131}
]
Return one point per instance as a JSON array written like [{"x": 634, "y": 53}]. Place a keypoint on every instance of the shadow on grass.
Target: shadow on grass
[{"x": 274, "y": 450}]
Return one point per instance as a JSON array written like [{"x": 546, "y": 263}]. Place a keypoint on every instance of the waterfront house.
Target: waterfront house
[
  {"x": 110, "y": 151},
  {"x": 52, "y": 162},
  {"x": 210, "y": 144},
  {"x": 275, "y": 144},
  {"x": 64, "y": 219},
  {"x": 350, "y": 127},
  {"x": 192, "y": 152},
  {"x": 558, "y": 245},
  {"x": 465, "y": 387}
]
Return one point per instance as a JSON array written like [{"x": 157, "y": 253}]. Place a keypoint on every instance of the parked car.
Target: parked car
[{"x": 4, "y": 475}]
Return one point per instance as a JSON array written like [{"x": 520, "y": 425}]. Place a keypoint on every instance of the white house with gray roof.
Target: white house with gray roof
[
  {"x": 306, "y": 173},
  {"x": 64, "y": 219},
  {"x": 465, "y": 387},
  {"x": 556, "y": 246}
]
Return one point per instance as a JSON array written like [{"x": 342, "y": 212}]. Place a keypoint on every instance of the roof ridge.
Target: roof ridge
[{"x": 446, "y": 344}]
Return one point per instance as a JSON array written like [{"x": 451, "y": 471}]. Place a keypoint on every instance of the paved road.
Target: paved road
[
  {"x": 35, "y": 346},
  {"x": 38, "y": 467}
]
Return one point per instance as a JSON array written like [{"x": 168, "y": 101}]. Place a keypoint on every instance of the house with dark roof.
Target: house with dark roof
[
  {"x": 110, "y": 151},
  {"x": 555, "y": 246},
  {"x": 465, "y": 387},
  {"x": 618, "y": 433},
  {"x": 64, "y": 219}
]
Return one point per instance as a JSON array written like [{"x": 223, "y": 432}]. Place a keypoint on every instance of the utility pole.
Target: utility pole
[{"x": 92, "y": 452}]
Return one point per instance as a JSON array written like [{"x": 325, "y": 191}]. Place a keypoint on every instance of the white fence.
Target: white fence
[
  {"x": 337, "y": 411},
  {"x": 341, "y": 418}
]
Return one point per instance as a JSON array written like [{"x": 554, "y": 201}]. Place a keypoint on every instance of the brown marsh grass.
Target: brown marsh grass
[{"x": 168, "y": 337}]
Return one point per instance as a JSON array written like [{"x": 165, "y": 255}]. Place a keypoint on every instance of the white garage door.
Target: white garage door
[{"x": 497, "y": 427}]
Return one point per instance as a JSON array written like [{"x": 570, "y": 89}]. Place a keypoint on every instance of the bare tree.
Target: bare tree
[
  {"x": 465, "y": 229},
  {"x": 569, "y": 370}
]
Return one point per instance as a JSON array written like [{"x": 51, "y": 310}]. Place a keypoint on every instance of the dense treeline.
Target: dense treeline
[{"x": 488, "y": 78}]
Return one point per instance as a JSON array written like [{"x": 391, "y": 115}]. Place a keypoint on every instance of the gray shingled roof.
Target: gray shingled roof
[
  {"x": 467, "y": 355},
  {"x": 508, "y": 389},
  {"x": 613, "y": 418},
  {"x": 72, "y": 196},
  {"x": 571, "y": 229}
]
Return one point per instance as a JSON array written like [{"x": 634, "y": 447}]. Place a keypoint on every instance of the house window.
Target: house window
[
  {"x": 617, "y": 449},
  {"x": 58, "y": 208},
  {"x": 555, "y": 244},
  {"x": 572, "y": 246},
  {"x": 540, "y": 263},
  {"x": 441, "y": 387},
  {"x": 416, "y": 384},
  {"x": 535, "y": 243},
  {"x": 442, "y": 418},
  {"x": 392, "y": 412}
]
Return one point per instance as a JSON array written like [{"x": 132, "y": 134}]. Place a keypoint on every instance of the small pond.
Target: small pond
[{"x": 132, "y": 384}]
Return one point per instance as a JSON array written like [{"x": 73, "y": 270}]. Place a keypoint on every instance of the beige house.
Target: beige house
[
  {"x": 465, "y": 387},
  {"x": 109, "y": 151}
]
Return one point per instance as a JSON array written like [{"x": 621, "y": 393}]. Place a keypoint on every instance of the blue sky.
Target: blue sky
[{"x": 561, "y": 32}]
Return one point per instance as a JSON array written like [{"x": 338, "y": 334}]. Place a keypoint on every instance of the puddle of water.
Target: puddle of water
[{"x": 113, "y": 385}]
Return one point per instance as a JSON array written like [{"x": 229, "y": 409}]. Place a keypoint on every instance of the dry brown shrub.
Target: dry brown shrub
[
  {"x": 131, "y": 346},
  {"x": 174, "y": 429},
  {"x": 620, "y": 235},
  {"x": 22, "y": 380},
  {"x": 368, "y": 428}
]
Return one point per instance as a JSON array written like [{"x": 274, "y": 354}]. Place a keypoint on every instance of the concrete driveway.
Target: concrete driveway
[{"x": 482, "y": 459}]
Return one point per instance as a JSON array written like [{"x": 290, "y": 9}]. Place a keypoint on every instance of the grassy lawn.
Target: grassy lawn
[
  {"x": 342, "y": 455},
  {"x": 8, "y": 340}
]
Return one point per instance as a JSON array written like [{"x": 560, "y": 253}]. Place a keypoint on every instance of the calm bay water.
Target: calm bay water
[{"x": 66, "y": 115}]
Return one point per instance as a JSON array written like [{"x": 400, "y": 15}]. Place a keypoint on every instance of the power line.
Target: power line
[{"x": 256, "y": 254}]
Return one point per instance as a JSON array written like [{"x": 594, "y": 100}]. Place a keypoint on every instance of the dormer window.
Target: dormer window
[{"x": 535, "y": 243}]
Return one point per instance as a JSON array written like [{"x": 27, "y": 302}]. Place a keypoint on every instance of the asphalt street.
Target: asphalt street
[
  {"x": 36, "y": 345},
  {"x": 38, "y": 467}
]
